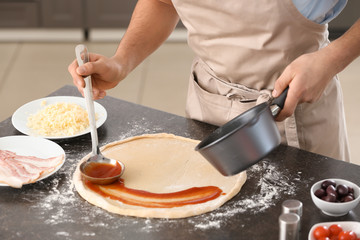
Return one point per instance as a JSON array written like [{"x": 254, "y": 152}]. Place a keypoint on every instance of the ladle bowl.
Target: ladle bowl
[{"x": 100, "y": 159}]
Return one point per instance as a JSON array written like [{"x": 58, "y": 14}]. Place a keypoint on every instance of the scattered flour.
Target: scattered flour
[
  {"x": 212, "y": 224},
  {"x": 66, "y": 234}
]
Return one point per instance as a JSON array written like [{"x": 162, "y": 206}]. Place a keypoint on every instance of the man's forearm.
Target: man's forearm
[
  {"x": 346, "y": 48},
  {"x": 151, "y": 24}
]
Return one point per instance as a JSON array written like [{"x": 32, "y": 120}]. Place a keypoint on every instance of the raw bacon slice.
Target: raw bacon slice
[{"x": 16, "y": 170}]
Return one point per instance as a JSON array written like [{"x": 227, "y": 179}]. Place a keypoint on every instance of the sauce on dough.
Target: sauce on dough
[{"x": 118, "y": 191}]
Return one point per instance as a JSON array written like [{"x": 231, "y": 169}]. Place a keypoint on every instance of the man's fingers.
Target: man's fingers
[
  {"x": 282, "y": 82},
  {"x": 77, "y": 80},
  {"x": 291, "y": 102}
]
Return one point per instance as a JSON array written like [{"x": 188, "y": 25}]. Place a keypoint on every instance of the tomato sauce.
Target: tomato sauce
[{"x": 118, "y": 191}]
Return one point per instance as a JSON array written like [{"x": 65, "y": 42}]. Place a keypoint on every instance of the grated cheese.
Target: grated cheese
[{"x": 59, "y": 119}]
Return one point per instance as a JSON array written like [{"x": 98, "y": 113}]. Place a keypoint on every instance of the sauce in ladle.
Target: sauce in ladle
[{"x": 102, "y": 170}]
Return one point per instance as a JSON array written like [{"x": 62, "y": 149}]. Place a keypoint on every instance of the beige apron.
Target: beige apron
[{"x": 242, "y": 47}]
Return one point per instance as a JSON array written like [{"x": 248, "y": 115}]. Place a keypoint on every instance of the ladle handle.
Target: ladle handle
[
  {"x": 83, "y": 57},
  {"x": 91, "y": 112}
]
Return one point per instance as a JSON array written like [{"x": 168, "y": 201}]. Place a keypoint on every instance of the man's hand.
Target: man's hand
[
  {"x": 105, "y": 73},
  {"x": 308, "y": 75}
]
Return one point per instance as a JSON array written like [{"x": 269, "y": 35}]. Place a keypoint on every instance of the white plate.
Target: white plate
[
  {"x": 20, "y": 116},
  {"x": 32, "y": 146},
  {"x": 346, "y": 226}
]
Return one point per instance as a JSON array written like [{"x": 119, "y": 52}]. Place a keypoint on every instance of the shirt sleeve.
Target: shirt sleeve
[{"x": 320, "y": 11}]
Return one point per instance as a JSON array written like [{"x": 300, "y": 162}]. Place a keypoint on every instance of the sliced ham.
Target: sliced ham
[
  {"x": 16, "y": 170},
  {"x": 7, "y": 177}
]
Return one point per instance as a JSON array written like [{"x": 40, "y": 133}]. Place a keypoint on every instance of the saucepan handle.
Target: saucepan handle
[{"x": 278, "y": 103}]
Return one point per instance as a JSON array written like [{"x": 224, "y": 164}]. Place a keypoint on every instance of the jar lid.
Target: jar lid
[{"x": 292, "y": 206}]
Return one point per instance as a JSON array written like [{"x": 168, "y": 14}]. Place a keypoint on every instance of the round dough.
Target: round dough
[{"x": 162, "y": 163}]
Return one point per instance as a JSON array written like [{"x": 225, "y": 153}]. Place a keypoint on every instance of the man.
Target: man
[{"x": 246, "y": 51}]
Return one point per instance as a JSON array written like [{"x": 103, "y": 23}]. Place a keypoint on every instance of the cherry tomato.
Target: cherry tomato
[
  {"x": 347, "y": 235},
  {"x": 321, "y": 232},
  {"x": 335, "y": 229}
]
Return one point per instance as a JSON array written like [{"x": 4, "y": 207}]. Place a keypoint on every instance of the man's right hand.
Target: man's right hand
[{"x": 105, "y": 73}]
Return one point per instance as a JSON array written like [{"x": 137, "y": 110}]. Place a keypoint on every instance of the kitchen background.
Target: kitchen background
[{"x": 38, "y": 37}]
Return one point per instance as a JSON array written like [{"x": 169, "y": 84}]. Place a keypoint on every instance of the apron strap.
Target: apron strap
[{"x": 291, "y": 132}]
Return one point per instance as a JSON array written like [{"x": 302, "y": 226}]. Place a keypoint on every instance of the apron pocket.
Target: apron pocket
[{"x": 214, "y": 108}]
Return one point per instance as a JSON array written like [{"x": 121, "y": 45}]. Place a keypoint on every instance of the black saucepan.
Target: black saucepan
[{"x": 245, "y": 140}]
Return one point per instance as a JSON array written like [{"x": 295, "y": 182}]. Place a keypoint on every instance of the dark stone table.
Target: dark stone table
[{"x": 52, "y": 209}]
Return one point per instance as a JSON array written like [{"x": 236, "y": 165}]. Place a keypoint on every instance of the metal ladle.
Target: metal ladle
[{"x": 82, "y": 57}]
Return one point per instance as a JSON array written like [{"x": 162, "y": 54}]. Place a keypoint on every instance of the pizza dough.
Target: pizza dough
[{"x": 161, "y": 163}]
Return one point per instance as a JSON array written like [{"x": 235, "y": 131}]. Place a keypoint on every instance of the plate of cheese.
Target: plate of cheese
[{"x": 56, "y": 117}]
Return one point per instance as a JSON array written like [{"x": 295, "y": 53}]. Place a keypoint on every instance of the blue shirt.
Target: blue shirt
[{"x": 320, "y": 11}]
